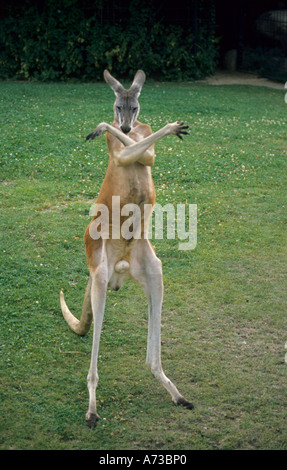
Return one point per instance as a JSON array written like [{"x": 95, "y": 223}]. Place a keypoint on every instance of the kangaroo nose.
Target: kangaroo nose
[{"x": 125, "y": 128}]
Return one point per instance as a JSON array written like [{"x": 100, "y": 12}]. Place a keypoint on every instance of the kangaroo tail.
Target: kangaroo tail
[{"x": 82, "y": 326}]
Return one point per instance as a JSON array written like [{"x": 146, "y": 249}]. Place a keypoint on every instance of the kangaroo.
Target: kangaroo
[{"x": 113, "y": 260}]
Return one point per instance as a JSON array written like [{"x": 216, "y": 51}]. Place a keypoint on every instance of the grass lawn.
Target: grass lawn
[{"x": 224, "y": 312}]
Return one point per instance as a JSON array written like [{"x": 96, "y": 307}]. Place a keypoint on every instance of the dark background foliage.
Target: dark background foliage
[{"x": 71, "y": 39}]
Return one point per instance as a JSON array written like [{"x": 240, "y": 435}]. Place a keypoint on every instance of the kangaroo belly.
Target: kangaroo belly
[{"x": 133, "y": 184}]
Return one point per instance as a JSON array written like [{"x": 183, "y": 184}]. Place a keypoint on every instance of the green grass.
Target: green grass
[{"x": 224, "y": 311}]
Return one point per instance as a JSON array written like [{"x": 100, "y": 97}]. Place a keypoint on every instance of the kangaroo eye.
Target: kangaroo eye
[
  {"x": 134, "y": 110},
  {"x": 119, "y": 108}
]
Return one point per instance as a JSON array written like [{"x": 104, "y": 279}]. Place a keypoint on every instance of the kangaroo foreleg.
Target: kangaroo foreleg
[{"x": 133, "y": 151}]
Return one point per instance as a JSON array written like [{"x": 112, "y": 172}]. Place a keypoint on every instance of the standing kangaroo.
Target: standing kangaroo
[{"x": 112, "y": 261}]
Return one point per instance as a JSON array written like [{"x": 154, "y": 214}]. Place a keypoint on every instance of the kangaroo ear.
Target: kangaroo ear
[
  {"x": 138, "y": 83},
  {"x": 116, "y": 86}
]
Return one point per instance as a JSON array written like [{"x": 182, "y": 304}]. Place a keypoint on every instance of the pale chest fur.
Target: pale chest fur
[{"x": 133, "y": 183}]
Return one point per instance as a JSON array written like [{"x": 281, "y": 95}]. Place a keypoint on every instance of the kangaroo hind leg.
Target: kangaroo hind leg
[{"x": 147, "y": 271}]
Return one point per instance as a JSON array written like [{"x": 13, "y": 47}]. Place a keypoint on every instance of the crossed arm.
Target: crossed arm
[{"x": 137, "y": 151}]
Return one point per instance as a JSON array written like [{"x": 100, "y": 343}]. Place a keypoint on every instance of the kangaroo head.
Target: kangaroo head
[{"x": 126, "y": 106}]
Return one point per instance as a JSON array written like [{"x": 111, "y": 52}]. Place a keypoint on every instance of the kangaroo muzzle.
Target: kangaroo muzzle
[{"x": 125, "y": 128}]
